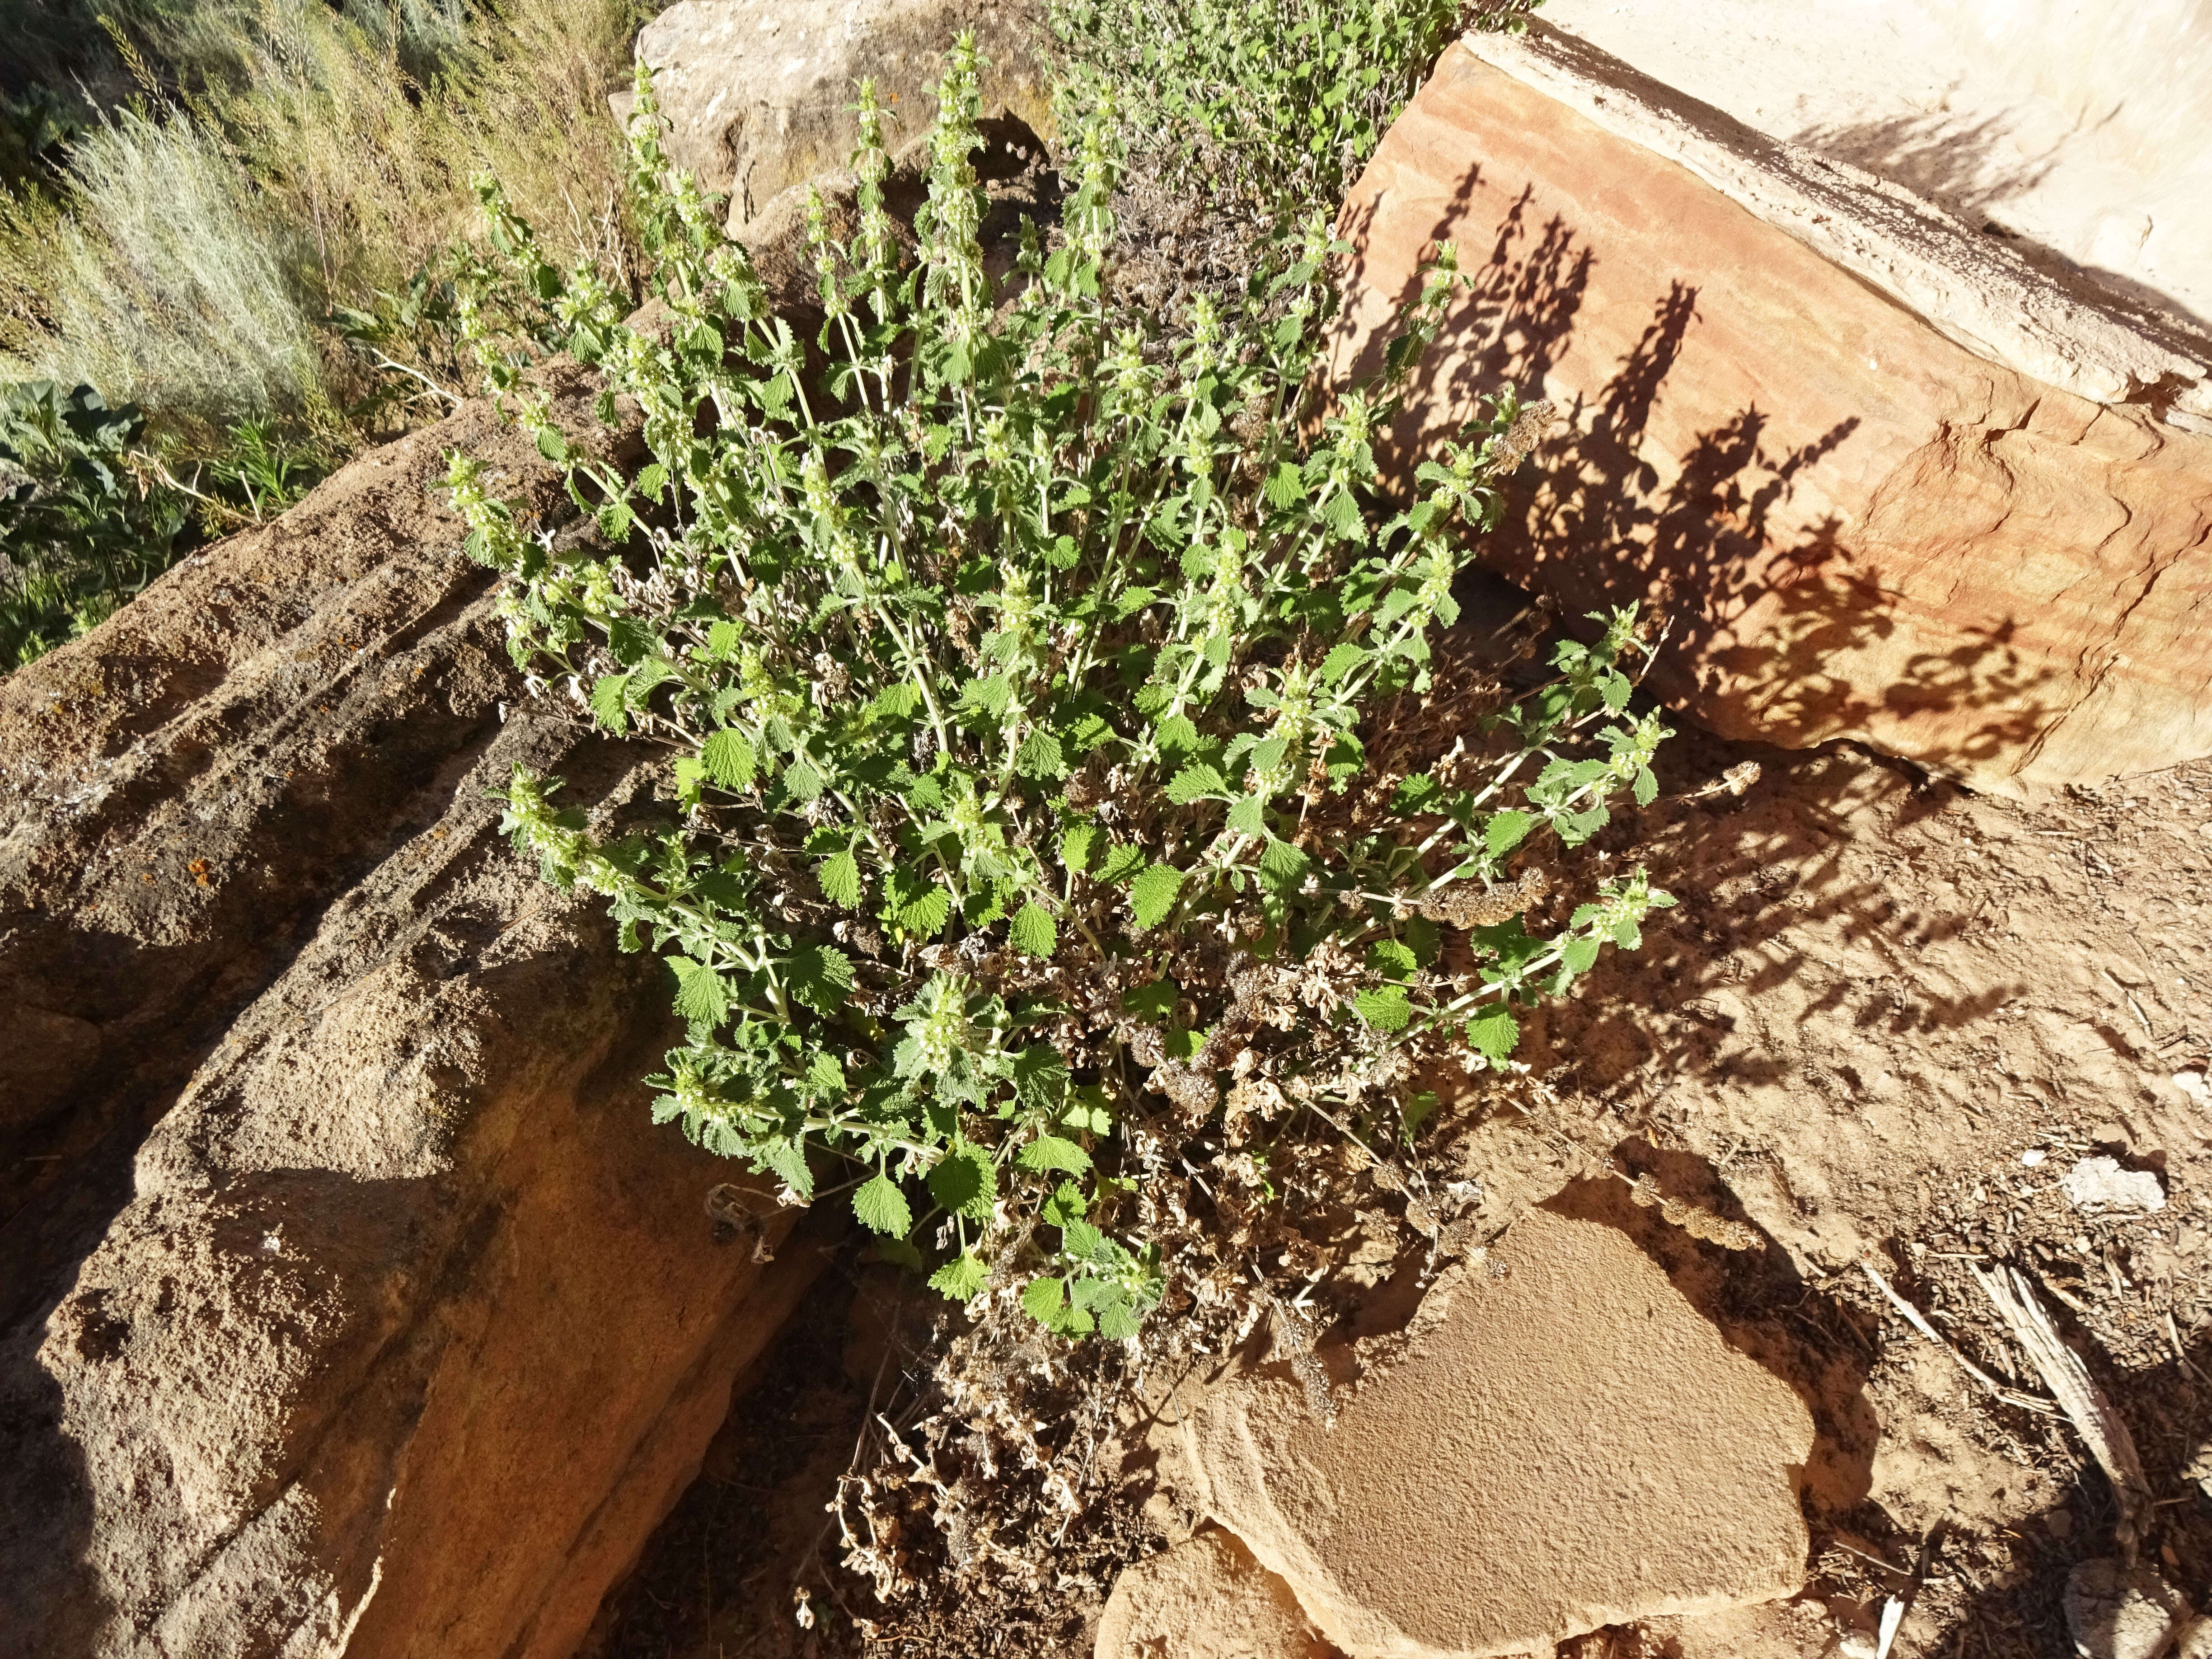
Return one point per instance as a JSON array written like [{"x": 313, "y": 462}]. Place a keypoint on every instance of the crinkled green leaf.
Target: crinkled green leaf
[
  {"x": 1153, "y": 894},
  {"x": 1384, "y": 1007},
  {"x": 881, "y": 1207},
  {"x": 1039, "y": 1077},
  {"x": 1053, "y": 1152},
  {"x": 1505, "y": 831},
  {"x": 701, "y": 995},
  {"x": 1495, "y": 1032},
  {"x": 1391, "y": 958},
  {"x": 1032, "y": 933},
  {"x": 962, "y": 1278},
  {"x": 728, "y": 757},
  {"x": 1119, "y": 863},
  {"x": 1078, "y": 842},
  {"x": 1282, "y": 866},
  {"x": 1040, "y": 756},
  {"x": 1194, "y": 781},
  {"x": 787, "y": 1159},
  {"x": 610, "y": 702},
  {"x": 840, "y": 876},
  {"x": 965, "y": 1182}
]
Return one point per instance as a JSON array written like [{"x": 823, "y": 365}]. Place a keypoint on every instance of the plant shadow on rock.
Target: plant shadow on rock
[{"x": 1595, "y": 522}]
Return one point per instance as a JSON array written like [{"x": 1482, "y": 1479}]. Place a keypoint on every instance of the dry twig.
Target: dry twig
[{"x": 2078, "y": 1394}]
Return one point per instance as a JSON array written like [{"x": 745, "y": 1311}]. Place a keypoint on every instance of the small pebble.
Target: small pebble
[
  {"x": 2033, "y": 1156},
  {"x": 2100, "y": 1183}
]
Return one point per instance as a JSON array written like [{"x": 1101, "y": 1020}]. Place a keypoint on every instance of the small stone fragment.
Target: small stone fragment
[
  {"x": 1206, "y": 1598},
  {"x": 2116, "y": 1611},
  {"x": 2100, "y": 1183},
  {"x": 2194, "y": 1640}
]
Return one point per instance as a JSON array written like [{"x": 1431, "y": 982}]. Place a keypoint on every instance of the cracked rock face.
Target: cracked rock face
[
  {"x": 1854, "y": 525},
  {"x": 1565, "y": 1442},
  {"x": 350, "y": 1302}
]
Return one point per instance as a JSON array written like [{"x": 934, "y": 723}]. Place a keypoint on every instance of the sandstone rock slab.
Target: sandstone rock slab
[
  {"x": 351, "y": 1303},
  {"x": 2086, "y": 130},
  {"x": 1566, "y": 1443},
  {"x": 1856, "y": 527},
  {"x": 757, "y": 93},
  {"x": 1206, "y": 1598}
]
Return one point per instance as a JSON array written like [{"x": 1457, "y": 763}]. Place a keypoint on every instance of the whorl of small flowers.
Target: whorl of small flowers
[
  {"x": 1090, "y": 218},
  {"x": 499, "y": 374},
  {"x": 494, "y": 537},
  {"x": 940, "y": 1028},
  {"x": 951, "y": 226},
  {"x": 826, "y": 254},
  {"x": 1126, "y": 370},
  {"x": 567, "y": 854}
]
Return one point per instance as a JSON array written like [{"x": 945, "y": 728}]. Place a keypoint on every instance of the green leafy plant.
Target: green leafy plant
[
  {"x": 80, "y": 531},
  {"x": 1282, "y": 100},
  {"x": 1011, "y": 650}
]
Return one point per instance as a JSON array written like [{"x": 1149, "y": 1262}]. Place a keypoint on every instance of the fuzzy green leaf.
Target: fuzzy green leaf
[
  {"x": 787, "y": 1159},
  {"x": 1052, "y": 1152},
  {"x": 1495, "y": 1032},
  {"x": 1040, "y": 756},
  {"x": 1178, "y": 737},
  {"x": 965, "y": 1182},
  {"x": 728, "y": 757},
  {"x": 1077, "y": 844},
  {"x": 1342, "y": 659},
  {"x": 701, "y": 995},
  {"x": 1032, "y": 933},
  {"x": 1153, "y": 894},
  {"x": 1248, "y": 816},
  {"x": 1040, "y": 1077},
  {"x": 1045, "y": 1300},
  {"x": 1505, "y": 831},
  {"x": 1195, "y": 782},
  {"x": 1282, "y": 866},
  {"x": 1390, "y": 958},
  {"x": 1385, "y": 1007},
  {"x": 611, "y": 703},
  {"x": 839, "y": 878},
  {"x": 881, "y": 1207},
  {"x": 962, "y": 1278},
  {"x": 1119, "y": 863}
]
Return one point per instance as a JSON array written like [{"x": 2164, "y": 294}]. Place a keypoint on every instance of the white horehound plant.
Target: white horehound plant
[{"x": 1012, "y": 670}]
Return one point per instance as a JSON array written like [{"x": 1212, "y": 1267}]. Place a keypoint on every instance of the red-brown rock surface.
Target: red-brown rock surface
[
  {"x": 1855, "y": 527},
  {"x": 348, "y": 1302}
]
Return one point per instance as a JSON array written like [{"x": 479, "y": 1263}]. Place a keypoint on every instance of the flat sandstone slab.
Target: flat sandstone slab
[{"x": 1565, "y": 1444}]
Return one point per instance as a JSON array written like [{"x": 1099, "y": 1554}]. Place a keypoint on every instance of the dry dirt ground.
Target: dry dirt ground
[{"x": 1884, "y": 1020}]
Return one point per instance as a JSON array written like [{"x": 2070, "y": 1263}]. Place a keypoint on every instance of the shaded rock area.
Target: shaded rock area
[
  {"x": 351, "y": 1304},
  {"x": 1564, "y": 1443},
  {"x": 1855, "y": 527},
  {"x": 758, "y": 94}
]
